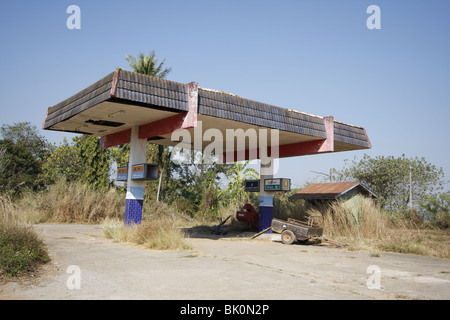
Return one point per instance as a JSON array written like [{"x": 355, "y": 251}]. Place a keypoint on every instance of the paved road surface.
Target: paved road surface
[{"x": 223, "y": 269}]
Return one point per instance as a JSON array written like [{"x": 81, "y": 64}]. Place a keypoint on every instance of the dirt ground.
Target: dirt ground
[{"x": 85, "y": 265}]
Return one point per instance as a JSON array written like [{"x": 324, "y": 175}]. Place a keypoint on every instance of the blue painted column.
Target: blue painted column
[
  {"x": 135, "y": 189},
  {"x": 265, "y": 197}
]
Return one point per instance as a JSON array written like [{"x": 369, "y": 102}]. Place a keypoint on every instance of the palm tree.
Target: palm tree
[
  {"x": 237, "y": 175},
  {"x": 148, "y": 65}
]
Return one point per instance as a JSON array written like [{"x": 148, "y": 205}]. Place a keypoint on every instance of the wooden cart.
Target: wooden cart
[{"x": 293, "y": 229}]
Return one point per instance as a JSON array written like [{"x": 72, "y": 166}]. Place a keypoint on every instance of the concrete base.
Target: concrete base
[
  {"x": 222, "y": 270},
  {"x": 133, "y": 211},
  {"x": 269, "y": 236},
  {"x": 264, "y": 236},
  {"x": 265, "y": 218}
]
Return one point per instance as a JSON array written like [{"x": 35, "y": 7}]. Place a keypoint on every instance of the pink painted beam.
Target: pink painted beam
[
  {"x": 115, "y": 139},
  {"x": 163, "y": 126},
  {"x": 184, "y": 120},
  {"x": 149, "y": 130},
  {"x": 293, "y": 149},
  {"x": 311, "y": 147},
  {"x": 153, "y": 129},
  {"x": 115, "y": 83},
  {"x": 191, "y": 118},
  {"x": 368, "y": 140},
  {"x": 303, "y": 148}
]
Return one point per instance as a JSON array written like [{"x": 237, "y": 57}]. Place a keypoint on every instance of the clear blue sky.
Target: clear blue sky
[{"x": 313, "y": 56}]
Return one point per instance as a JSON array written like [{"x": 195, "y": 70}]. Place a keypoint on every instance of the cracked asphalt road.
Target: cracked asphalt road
[{"x": 226, "y": 269}]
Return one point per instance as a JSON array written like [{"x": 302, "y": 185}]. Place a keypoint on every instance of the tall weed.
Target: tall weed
[
  {"x": 359, "y": 218},
  {"x": 365, "y": 226},
  {"x": 71, "y": 203},
  {"x": 158, "y": 233},
  {"x": 20, "y": 246}
]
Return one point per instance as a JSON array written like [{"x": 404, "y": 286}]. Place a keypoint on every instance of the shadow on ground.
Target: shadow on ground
[{"x": 237, "y": 231}]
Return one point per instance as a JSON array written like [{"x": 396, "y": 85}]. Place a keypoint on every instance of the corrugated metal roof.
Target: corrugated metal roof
[{"x": 324, "y": 191}]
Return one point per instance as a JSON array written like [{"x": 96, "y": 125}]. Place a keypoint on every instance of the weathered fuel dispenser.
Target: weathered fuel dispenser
[
  {"x": 249, "y": 214},
  {"x": 278, "y": 184},
  {"x": 142, "y": 171}
]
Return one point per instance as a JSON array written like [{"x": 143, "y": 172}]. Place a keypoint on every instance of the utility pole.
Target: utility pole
[
  {"x": 410, "y": 189},
  {"x": 325, "y": 174},
  {"x": 159, "y": 187}
]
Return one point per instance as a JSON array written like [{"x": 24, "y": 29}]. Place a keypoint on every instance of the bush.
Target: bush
[
  {"x": 437, "y": 210},
  {"x": 20, "y": 246},
  {"x": 161, "y": 234},
  {"x": 365, "y": 226},
  {"x": 158, "y": 233},
  {"x": 358, "y": 218},
  {"x": 442, "y": 220},
  {"x": 284, "y": 207},
  {"x": 160, "y": 228},
  {"x": 71, "y": 203}
]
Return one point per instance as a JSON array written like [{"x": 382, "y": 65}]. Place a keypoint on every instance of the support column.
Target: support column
[
  {"x": 265, "y": 197},
  {"x": 135, "y": 189}
]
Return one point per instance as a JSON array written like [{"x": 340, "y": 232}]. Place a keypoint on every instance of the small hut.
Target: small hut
[{"x": 321, "y": 193}]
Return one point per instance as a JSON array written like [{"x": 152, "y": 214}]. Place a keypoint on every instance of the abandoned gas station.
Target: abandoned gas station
[{"x": 127, "y": 107}]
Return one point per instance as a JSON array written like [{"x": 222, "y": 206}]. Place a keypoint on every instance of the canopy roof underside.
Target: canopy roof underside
[{"x": 125, "y": 99}]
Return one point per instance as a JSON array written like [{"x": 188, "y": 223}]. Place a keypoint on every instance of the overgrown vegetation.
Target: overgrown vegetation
[
  {"x": 73, "y": 183},
  {"x": 20, "y": 246},
  {"x": 74, "y": 202},
  {"x": 160, "y": 234},
  {"x": 398, "y": 182},
  {"x": 78, "y": 189},
  {"x": 364, "y": 225}
]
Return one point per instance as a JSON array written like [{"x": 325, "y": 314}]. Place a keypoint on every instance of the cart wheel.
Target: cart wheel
[{"x": 287, "y": 237}]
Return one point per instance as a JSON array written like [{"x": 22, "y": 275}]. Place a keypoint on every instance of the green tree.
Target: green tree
[
  {"x": 22, "y": 153},
  {"x": 3, "y": 159},
  {"x": 63, "y": 163},
  {"x": 20, "y": 169},
  {"x": 95, "y": 162},
  {"x": 82, "y": 160},
  {"x": 120, "y": 154},
  {"x": 389, "y": 178},
  {"x": 148, "y": 64},
  {"x": 28, "y": 134},
  {"x": 195, "y": 183},
  {"x": 237, "y": 175},
  {"x": 437, "y": 209}
]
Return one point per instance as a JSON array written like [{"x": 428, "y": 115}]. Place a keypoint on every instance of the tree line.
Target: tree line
[{"x": 29, "y": 162}]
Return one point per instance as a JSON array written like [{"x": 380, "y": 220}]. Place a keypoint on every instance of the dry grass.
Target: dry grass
[
  {"x": 364, "y": 226},
  {"x": 359, "y": 223},
  {"x": 77, "y": 203},
  {"x": 159, "y": 234},
  {"x": 160, "y": 228},
  {"x": 115, "y": 230},
  {"x": 359, "y": 219},
  {"x": 71, "y": 203},
  {"x": 20, "y": 246},
  {"x": 6, "y": 209}
]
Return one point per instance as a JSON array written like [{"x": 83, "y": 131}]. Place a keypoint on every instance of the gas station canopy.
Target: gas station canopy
[{"x": 110, "y": 107}]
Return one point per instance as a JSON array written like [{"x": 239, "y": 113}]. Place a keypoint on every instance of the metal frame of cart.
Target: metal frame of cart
[{"x": 293, "y": 229}]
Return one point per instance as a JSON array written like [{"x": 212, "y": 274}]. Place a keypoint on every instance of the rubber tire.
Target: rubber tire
[{"x": 287, "y": 237}]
